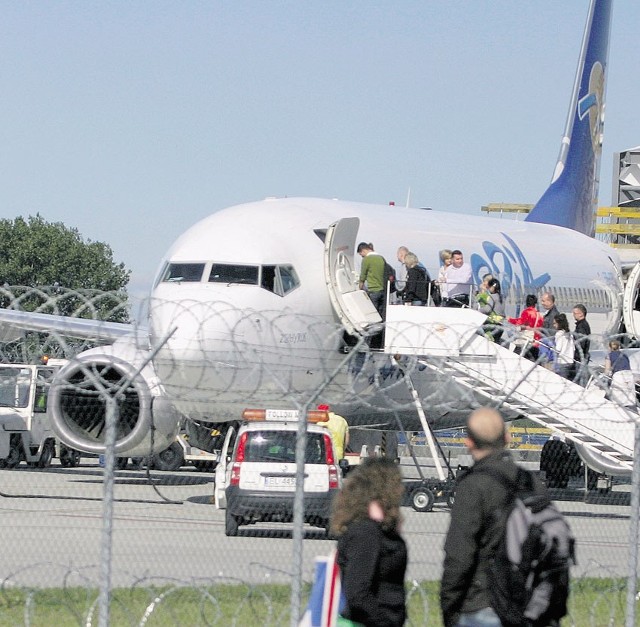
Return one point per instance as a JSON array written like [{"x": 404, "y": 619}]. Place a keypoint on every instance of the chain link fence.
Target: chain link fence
[{"x": 131, "y": 534}]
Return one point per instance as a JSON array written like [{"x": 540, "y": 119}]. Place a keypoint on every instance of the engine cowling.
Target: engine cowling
[{"x": 146, "y": 421}]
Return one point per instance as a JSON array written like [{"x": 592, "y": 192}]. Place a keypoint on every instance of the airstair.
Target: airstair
[{"x": 447, "y": 341}]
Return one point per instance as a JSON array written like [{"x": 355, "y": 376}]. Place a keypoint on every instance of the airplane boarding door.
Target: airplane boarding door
[
  {"x": 630, "y": 314},
  {"x": 352, "y": 305}
]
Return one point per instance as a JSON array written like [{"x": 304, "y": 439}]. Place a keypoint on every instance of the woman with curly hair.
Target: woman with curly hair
[{"x": 372, "y": 555}]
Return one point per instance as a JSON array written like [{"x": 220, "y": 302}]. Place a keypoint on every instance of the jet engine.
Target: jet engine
[{"x": 146, "y": 422}]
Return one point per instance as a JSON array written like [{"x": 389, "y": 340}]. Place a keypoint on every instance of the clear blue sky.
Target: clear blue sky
[{"x": 132, "y": 120}]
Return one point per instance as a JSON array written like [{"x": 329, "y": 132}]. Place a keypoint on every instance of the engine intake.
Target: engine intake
[{"x": 146, "y": 422}]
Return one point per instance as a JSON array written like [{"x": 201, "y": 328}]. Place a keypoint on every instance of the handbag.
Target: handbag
[{"x": 436, "y": 296}]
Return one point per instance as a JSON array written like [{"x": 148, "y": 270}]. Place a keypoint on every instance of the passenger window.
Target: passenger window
[
  {"x": 187, "y": 272},
  {"x": 226, "y": 273}
]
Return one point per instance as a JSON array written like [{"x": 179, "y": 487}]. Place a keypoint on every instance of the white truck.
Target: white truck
[{"x": 25, "y": 430}]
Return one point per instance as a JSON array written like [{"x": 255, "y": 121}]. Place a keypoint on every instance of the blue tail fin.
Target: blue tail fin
[{"x": 571, "y": 199}]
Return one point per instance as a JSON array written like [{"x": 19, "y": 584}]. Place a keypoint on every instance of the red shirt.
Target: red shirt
[{"x": 529, "y": 317}]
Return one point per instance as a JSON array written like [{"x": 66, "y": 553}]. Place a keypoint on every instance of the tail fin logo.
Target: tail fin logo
[{"x": 593, "y": 104}]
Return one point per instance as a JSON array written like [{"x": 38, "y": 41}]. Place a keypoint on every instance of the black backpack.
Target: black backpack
[
  {"x": 529, "y": 574},
  {"x": 389, "y": 277}
]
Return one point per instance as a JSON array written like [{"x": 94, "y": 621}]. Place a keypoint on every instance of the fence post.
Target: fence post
[
  {"x": 107, "y": 511},
  {"x": 633, "y": 531}
]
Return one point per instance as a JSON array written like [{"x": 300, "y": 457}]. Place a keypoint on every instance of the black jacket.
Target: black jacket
[
  {"x": 372, "y": 566},
  {"x": 547, "y": 322},
  {"x": 416, "y": 286},
  {"x": 583, "y": 343},
  {"x": 473, "y": 536}
]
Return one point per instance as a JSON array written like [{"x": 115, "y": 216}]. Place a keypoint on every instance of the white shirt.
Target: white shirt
[
  {"x": 442, "y": 282},
  {"x": 458, "y": 280},
  {"x": 564, "y": 347}
]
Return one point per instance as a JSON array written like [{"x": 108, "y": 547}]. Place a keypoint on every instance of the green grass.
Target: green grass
[{"x": 593, "y": 602}]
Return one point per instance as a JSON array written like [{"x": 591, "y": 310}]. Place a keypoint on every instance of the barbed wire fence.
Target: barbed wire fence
[{"x": 100, "y": 544}]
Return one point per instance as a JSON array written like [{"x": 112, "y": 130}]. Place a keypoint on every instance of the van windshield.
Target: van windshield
[
  {"x": 15, "y": 384},
  {"x": 280, "y": 446}
]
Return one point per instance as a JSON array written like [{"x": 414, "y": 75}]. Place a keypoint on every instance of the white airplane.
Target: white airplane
[{"x": 256, "y": 306}]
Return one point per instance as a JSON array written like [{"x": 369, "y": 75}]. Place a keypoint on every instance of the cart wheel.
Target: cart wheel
[
  {"x": 422, "y": 500},
  {"x": 15, "y": 456},
  {"x": 451, "y": 497},
  {"x": 46, "y": 456}
]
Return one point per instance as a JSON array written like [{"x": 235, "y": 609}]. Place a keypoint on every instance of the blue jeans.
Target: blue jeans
[{"x": 485, "y": 617}]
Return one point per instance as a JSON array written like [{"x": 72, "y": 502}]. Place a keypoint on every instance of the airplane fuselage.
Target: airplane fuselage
[{"x": 238, "y": 333}]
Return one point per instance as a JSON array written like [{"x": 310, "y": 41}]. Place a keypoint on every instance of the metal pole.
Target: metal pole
[
  {"x": 298, "y": 502},
  {"x": 298, "y": 517},
  {"x": 107, "y": 511},
  {"x": 632, "y": 572}
]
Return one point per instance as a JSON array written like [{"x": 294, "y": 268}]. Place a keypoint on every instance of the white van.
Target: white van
[{"x": 255, "y": 480}]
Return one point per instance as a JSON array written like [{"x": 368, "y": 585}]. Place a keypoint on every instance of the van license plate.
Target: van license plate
[{"x": 280, "y": 482}]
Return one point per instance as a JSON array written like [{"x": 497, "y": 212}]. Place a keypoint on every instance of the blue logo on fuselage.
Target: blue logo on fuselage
[{"x": 509, "y": 265}]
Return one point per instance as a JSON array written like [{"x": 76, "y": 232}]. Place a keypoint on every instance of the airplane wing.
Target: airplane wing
[{"x": 13, "y": 323}]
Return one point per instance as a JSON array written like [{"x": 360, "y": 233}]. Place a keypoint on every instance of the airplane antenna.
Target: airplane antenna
[{"x": 408, "y": 196}]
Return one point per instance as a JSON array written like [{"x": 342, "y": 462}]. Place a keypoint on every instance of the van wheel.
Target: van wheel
[
  {"x": 46, "y": 456},
  {"x": 422, "y": 500},
  {"x": 169, "y": 459},
  {"x": 230, "y": 524}
]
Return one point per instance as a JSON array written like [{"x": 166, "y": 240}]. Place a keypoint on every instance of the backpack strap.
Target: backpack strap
[{"x": 522, "y": 483}]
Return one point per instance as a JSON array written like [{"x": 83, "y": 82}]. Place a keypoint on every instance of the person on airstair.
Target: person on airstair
[
  {"x": 529, "y": 320},
  {"x": 564, "y": 347},
  {"x": 623, "y": 385}
]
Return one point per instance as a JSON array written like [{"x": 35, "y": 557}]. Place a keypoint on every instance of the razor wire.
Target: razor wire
[{"x": 244, "y": 358}]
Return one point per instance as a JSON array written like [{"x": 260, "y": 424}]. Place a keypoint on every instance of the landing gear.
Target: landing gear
[
  {"x": 121, "y": 463},
  {"x": 69, "y": 458},
  {"x": 205, "y": 466},
  {"x": 169, "y": 459}
]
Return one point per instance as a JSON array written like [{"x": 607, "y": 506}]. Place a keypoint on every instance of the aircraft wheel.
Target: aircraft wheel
[
  {"x": 230, "y": 524},
  {"x": 46, "y": 456},
  {"x": 205, "y": 466},
  {"x": 69, "y": 458},
  {"x": 74, "y": 458},
  {"x": 422, "y": 500},
  {"x": 121, "y": 463},
  {"x": 15, "y": 455},
  {"x": 169, "y": 459}
]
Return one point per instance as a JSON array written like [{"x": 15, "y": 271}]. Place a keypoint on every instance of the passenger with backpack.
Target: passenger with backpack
[
  {"x": 508, "y": 549},
  {"x": 374, "y": 275}
]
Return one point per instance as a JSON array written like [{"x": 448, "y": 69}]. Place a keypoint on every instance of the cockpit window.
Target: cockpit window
[
  {"x": 225, "y": 273},
  {"x": 188, "y": 272},
  {"x": 289, "y": 278},
  {"x": 279, "y": 279}
]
